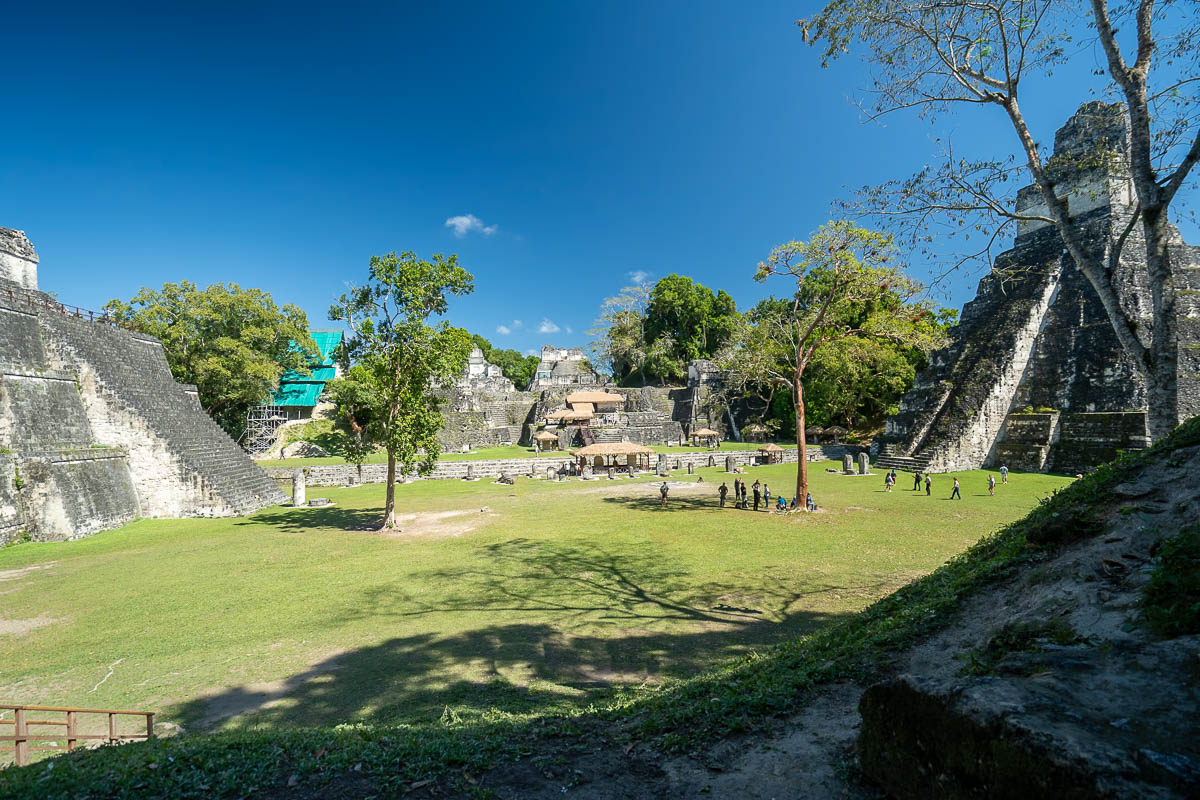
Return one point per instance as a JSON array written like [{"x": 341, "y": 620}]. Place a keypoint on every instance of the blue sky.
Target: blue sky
[{"x": 280, "y": 145}]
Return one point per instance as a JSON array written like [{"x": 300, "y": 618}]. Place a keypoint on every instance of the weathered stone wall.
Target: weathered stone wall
[
  {"x": 348, "y": 474},
  {"x": 72, "y": 494},
  {"x": 55, "y": 483},
  {"x": 18, "y": 261},
  {"x": 11, "y": 517}
]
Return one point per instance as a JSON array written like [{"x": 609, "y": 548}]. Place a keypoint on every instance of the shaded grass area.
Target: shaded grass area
[{"x": 767, "y": 683}]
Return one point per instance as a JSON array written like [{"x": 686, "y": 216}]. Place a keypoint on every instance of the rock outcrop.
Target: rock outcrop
[{"x": 1051, "y": 684}]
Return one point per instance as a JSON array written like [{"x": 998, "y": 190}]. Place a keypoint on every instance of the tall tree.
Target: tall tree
[
  {"x": 232, "y": 343},
  {"x": 696, "y": 321},
  {"x": 397, "y": 360},
  {"x": 619, "y": 338},
  {"x": 847, "y": 286},
  {"x": 935, "y": 55}
]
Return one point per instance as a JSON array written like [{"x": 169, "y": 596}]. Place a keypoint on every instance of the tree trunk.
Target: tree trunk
[
  {"x": 1162, "y": 400},
  {"x": 801, "y": 447},
  {"x": 389, "y": 505}
]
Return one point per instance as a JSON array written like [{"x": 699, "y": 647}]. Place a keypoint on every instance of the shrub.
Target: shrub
[{"x": 1172, "y": 597}]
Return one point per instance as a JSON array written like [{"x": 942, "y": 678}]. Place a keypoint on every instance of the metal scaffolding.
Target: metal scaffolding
[{"x": 262, "y": 426}]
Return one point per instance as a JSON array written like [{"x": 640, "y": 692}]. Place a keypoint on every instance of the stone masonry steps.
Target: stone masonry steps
[
  {"x": 223, "y": 471},
  {"x": 917, "y": 463}
]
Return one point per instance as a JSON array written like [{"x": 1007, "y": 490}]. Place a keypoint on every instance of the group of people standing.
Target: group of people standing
[
  {"x": 761, "y": 493},
  {"x": 889, "y": 483}
]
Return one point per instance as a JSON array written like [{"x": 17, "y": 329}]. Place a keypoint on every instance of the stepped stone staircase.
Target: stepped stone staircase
[
  {"x": 496, "y": 414},
  {"x": 890, "y": 458},
  {"x": 182, "y": 461}
]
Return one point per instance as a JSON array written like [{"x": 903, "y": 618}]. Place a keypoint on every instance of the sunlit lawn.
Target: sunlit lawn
[{"x": 531, "y": 595}]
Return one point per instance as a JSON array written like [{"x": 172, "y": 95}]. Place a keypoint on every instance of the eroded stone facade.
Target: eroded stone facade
[
  {"x": 1033, "y": 375},
  {"x": 95, "y": 432}
]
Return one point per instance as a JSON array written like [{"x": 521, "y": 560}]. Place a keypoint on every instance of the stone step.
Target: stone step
[{"x": 917, "y": 463}]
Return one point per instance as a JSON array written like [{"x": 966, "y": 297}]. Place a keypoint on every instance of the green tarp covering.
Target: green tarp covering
[{"x": 304, "y": 390}]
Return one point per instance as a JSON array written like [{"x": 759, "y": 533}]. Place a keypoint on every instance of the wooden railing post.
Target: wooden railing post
[
  {"x": 112, "y": 727},
  {"x": 149, "y": 727},
  {"x": 20, "y": 743},
  {"x": 71, "y": 740}
]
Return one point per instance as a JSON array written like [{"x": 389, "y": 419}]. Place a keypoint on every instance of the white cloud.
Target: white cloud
[
  {"x": 569, "y": 329},
  {"x": 639, "y": 276},
  {"x": 503, "y": 330},
  {"x": 516, "y": 323},
  {"x": 466, "y": 223},
  {"x": 547, "y": 326}
]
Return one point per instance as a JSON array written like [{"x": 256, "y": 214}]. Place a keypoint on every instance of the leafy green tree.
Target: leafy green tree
[
  {"x": 694, "y": 320},
  {"x": 396, "y": 360},
  {"x": 232, "y": 343},
  {"x": 653, "y": 332},
  {"x": 847, "y": 287},
  {"x": 619, "y": 338}
]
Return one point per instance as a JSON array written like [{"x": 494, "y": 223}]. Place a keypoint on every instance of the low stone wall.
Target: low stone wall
[{"x": 348, "y": 474}]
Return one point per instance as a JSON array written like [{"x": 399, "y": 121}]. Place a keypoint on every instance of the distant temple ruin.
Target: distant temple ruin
[
  {"x": 94, "y": 431},
  {"x": 1033, "y": 376},
  {"x": 571, "y": 403}
]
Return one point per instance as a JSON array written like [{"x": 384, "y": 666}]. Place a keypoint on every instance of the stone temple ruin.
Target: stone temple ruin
[
  {"x": 94, "y": 431},
  {"x": 578, "y": 406},
  {"x": 1033, "y": 376}
]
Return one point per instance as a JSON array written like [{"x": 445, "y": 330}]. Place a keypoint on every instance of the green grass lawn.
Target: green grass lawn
[
  {"x": 553, "y": 596},
  {"x": 488, "y": 453}
]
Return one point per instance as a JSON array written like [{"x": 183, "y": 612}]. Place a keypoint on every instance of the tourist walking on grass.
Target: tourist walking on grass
[
  {"x": 992, "y": 485},
  {"x": 1003, "y": 473},
  {"x": 757, "y": 495},
  {"x": 928, "y": 484},
  {"x": 662, "y": 493},
  {"x": 724, "y": 490},
  {"x": 916, "y": 481},
  {"x": 889, "y": 482},
  {"x": 767, "y": 497},
  {"x": 955, "y": 494}
]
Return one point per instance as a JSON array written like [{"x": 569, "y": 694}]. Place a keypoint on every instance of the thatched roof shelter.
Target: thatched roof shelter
[
  {"x": 545, "y": 440},
  {"x": 773, "y": 452},
  {"x": 570, "y": 414},
  {"x": 836, "y": 430},
  {"x": 705, "y": 433},
  {"x": 613, "y": 449},
  {"x": 604, "y": 454},
  {"x": 594, "y": 397}
]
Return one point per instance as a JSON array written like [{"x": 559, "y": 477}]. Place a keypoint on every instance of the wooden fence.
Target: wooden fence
[{"x": 27, "y": 717}]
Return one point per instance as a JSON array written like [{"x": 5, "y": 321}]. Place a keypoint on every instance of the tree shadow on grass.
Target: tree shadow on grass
[
  {"x": 304, "y": 519},
  {"x": 590, "y": 620}
]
